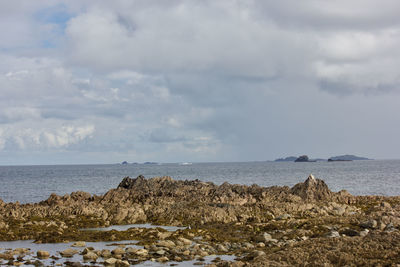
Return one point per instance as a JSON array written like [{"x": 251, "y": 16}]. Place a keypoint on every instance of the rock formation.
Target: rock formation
[{"x": 258, "y": 223}]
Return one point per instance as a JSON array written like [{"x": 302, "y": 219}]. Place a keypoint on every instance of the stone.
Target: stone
[
  {"x": 185, "y": 241},
  {"x": 20, "y": 250},
  {"x": 142, "y": 252},
  {"x": 222, "y": 248},
  {"x": 283, "y": 217},
  {"x": 166, "y": 243},
  {"x": 333, "y": 234},
  {"x": 349, "y": 232},
  {"x": 257, "y": 253},
  {"x": 38, "y": 263},
  {"x": 265, "y": 238},
  {"x": 160, "y": 252},
  {"x": 364, "y": 232},
  {"x": 131, "y": 250},
  {"x": 42, "y": 254},
  {"x": 164, "y": 235},
  {"x": 260, "y": 244},
  {"x": 122, "y": 263},
  {"x": 79, "y": 244},
  {"x": 390, "y": 228},
  {"x": 372, "y": 224},
  {"x": 90, "y": 256},
  {"x": 68, "y": 253},
  {"x": 105, "y": 253},
  {"x": 110, "y": 261},
  {"x": 118, "y": 251},
  {"x": 163, "y": 259}
]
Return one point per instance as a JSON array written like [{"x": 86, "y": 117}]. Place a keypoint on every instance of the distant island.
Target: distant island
[
  {"x": 305, "y": 158},
  {"x": 286, "y": 159},
  {"x": 346, "y": 158}
]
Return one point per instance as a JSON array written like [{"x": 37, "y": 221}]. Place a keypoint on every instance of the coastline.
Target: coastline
[{"x": 274, "y": 225}]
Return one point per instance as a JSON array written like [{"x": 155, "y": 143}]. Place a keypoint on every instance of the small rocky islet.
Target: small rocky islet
[{"x": 307, "y": 224}]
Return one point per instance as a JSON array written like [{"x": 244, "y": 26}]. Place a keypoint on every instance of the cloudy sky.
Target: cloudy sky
[{"x": 170, "y": 81}]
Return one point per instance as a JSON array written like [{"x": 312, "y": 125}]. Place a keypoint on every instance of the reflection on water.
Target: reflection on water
[{"x": 127, "y": 226}]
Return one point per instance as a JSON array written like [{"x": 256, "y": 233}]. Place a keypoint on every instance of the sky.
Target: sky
[{"x": 101, "y": 81}]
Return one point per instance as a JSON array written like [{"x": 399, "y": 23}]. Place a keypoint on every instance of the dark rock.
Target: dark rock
[{"x": 303, "y": 158}]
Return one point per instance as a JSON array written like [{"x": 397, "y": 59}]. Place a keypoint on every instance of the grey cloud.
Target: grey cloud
[
  {"x": 164, "y": 135},
  {"x": 209, "y": 80}
]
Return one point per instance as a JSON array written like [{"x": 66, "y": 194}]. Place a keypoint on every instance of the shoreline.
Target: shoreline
[{"x": 259, "y": 225}]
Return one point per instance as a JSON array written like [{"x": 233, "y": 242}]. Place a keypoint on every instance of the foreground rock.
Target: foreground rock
[{"x": 270, "y": 226}]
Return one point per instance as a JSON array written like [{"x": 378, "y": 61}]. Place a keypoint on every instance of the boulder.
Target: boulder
[
  {"x": 42, "y": 254},
  {"x": 79, "y": 244},
  {"x": 90, "y": 256},
  {"x": 68, "y": 253},
  {"x": 110, "y": 261}
]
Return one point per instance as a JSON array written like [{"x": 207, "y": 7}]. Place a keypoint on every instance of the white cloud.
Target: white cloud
[{"x": 27, "y": 138}]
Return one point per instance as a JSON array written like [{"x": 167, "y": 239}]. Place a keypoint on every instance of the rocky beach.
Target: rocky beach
[{"x": 307, "y": 224}]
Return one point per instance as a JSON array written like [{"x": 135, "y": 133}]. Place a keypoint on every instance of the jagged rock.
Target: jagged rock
[{"x": 312, "y": 189}]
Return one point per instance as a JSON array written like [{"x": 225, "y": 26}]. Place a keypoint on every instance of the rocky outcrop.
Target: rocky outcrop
[
  {"x": 312, "y": 190},
  {"x": 261, "y": 224}
]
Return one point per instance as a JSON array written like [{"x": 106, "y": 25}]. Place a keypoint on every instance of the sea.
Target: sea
[{"x": 28, "y": 184}]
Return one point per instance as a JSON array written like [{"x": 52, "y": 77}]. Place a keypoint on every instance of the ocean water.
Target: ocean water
[{"x": 35, "y": 183}]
